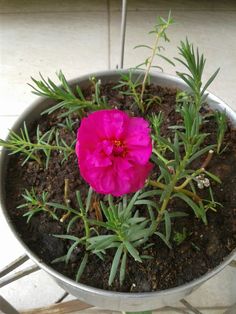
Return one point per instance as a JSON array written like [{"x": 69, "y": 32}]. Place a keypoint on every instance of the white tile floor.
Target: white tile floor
[{"x": 81, "y": 37}]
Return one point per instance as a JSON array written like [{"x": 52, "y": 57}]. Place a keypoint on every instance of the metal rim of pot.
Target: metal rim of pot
[{"x": 120, "y": 301}]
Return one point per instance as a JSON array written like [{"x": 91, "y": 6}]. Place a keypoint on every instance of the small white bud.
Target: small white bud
[
  {"x": 206, "y": 183},
  {"x": 200, "y": 185}
]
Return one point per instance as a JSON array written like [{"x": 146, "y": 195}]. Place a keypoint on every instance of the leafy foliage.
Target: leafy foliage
[
  {"x": 136, "y": 87},
  {"x": 68, "y": 124},
  {"x": 187, "y": 137},
  {"x": 97, "y": 98},
  {"x": 67, "y": 99},
  {"x": 21, "y": 143},
  {"x": 159, "y": 31},
  {"x": 211, "y": 202},
  {"x": 172, "y": 171},
  {"x": 81, "y": 213},
  {"x": 127, "y": 231},
  {"x": 195, "y": 64},
  {"x": 179, "y": 237},
  {"x": 36, "y": 204},
  {"x": 132, "y": 87}
]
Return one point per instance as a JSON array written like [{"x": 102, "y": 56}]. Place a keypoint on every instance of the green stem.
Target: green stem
[
  {"x": 38, "y": 146},
  {"x": 50, "y": 147},
  {"x": 150, "y": 61},
  {"x": 173, "y": 188},
  {"x": 154, "y": 51},
  {"x": 159, "y": 155},
  {"x": 197, "y": 172},
  {"x": 162, "y": 186},
  {"x": 190, "y": 178},
  {"x": 86, "y": 226},
  {"x": 166, "y": 200}
]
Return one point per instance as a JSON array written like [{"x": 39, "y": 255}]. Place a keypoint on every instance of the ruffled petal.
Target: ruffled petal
[
  {"x": 137, "y": 133},
  {"x": 114, "y": 123},
  {"x": 113, "y": 152}
]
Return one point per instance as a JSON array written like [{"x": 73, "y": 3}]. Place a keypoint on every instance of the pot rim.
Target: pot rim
[{"x": 189, "y": 285}]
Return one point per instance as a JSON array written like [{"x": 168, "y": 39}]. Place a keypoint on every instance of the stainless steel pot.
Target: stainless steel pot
[{"x": 97, "y": 297}]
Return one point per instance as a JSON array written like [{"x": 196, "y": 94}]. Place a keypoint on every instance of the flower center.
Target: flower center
[{"x": 119, "y": 148}]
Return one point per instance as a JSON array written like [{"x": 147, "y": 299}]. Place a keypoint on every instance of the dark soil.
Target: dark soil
[{"x": 204, "y": 248}]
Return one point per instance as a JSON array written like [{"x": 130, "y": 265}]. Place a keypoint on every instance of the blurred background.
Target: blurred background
[{"x": 79, "y": 37}]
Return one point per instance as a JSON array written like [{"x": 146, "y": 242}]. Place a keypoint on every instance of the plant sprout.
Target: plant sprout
[
  {"x": 180, "y": 237},
  {"x": 36, "y": 204},
  {"x": 160, "y": 32},
  {"x": 136, "y": 87}
]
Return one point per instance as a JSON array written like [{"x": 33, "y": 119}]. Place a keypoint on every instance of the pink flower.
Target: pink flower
[{"x": 113, "y": 152}]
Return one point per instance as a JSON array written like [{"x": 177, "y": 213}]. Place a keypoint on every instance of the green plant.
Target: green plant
[
  {"x": 195, "y": 64},
  {"x": 37, "y": 203},
  {"x": 221, "y": 120},
  {"x": 179, "y": 237},
  {"x": 131, "y": 87},
  {"x": 127, "y": 231},
  {"x": 136, "y": 87},
  {"x": 188, "y": 136},
  {"x": 67, "y": 99},
  {"x": 21, "y": 143},
  {"x": 68, "y": 124},
  {"x": 159, "y": 31},
  {"x": 176, "y": 169},
  {"x": 211, "y": 203},
  {"x": 97, "y": 98},
  {"x": 81, "y": 213}
]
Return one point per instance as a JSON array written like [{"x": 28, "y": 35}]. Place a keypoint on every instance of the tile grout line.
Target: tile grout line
[
  {"x": 109, "y": 34},
  {"x": 52, "y": 12}
]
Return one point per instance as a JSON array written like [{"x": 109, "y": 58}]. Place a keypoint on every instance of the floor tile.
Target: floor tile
[
  {"x": 192, "y": 5},
  {"x": 200, "y": 27},
  {"x": 39, "y": 290},
  {"x": 5, "y": 124},
  {"x": 12, "y": 247},
  {"x": 32, "y": 6},
  {"x": 220, "y": 290},
  {"x": 46, "y": 43}
]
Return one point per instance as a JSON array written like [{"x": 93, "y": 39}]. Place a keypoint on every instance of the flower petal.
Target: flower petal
[{"x": 113, "y": 152}]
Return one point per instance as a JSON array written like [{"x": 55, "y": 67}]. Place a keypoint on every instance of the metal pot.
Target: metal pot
[{"x": 101, "y": 298}]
